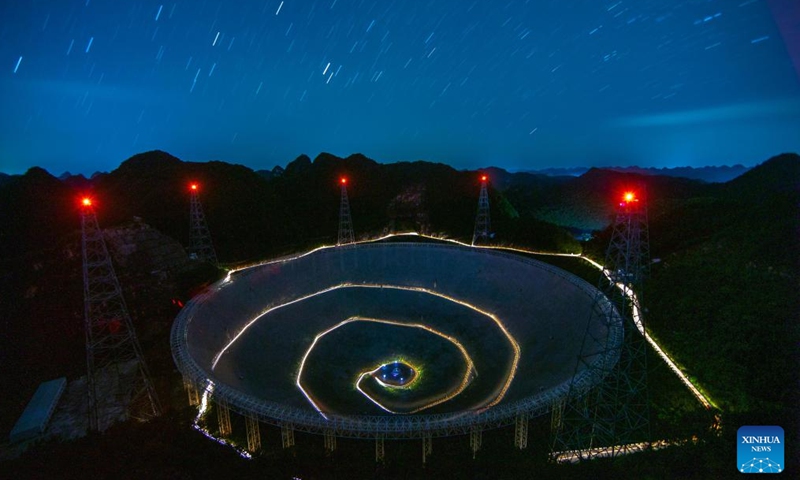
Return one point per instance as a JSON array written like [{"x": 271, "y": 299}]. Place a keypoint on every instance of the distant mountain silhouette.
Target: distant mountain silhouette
[
  {"x": 276, "y": 171},
  {"x": 5, "y": 179},
  {"x": 298, "y": 166},
  {"x": 76, "y": 182},
  {"x": 36, "y": 211},
  {"x": 560, "y": 172},
  {"x": 587, "y": 202},
  {"x": 713, "y": 174},
  {"x": 778, "y": 174},
  {"x": 254, "y": 213}
]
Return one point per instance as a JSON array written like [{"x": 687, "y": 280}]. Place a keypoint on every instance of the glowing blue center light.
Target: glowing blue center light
[{"x": 396, "y": 374}]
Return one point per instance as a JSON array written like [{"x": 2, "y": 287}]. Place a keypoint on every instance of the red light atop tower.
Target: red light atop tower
[
  {"x": 193, "y": 186},
  {"x": 86, "y": 202},
  {"x": 629, "y": 197},
  {"x": 484, "y": 178},
  {"x": 343, "y": 180}
]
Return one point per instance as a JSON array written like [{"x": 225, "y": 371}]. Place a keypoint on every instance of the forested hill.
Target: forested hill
[
  {"x": 724, "y": 297},
  {"x": 299, "y": 204}
]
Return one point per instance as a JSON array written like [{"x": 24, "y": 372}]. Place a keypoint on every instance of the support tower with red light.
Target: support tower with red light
[
  {"x": 201, "y": 246},
  {"x": 345, "y": 222},
  {"x": 482, "y": 223},
  {"x": 117, "y": 377},
  {"x": 612, "y": 418}
]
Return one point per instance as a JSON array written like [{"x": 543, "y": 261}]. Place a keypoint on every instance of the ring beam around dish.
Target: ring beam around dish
[{"x": 543, "y": 308}]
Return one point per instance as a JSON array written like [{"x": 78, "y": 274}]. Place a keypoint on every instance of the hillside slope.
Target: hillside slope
[{"x": 724, "y": 297}]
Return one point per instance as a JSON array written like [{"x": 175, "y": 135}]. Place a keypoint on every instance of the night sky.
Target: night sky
[{"x": 85, "y": 84}]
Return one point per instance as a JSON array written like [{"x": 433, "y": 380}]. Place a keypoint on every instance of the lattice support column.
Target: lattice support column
[
  {"x": 380, "y": 453},
  {"x": 345, "y": 221},
  {"x": 192, "y": 392},
  {"x": 482, "y": 222},
  {"x": 113, "y": 354},
  {"x": 201, "y": 245},
  {"x": 427, "y": 447},
  {"x": 287, "y": 435},
  {"x": 475, "y": 440},
  {"x": 612, "y": 417},
  {"x": 330, "y": 441},
  {"x": 556, "y": 414},
  {"x": 223, "y": 418},
  {"x": 253, "y": 433},
  {"x": 521, "y": 431}
]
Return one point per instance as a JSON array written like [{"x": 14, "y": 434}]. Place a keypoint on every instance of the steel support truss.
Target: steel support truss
[
  {"x": 475, "y": 440},
  {"x": 287, "y": 435},
  {"x": 345, "y": 221},
  {"x": 556, "y": 414},
  {"x": 192, "y": 392},
  {"x": 223, "y": 417},
  {"x": 482, "y": 221},
  {"x": 521, "y": 431},
  {"x": 113, "y": 354},
  {"x": 380, "y": 452},
  {"x": 200, "y": 236},
  {"x": 330, "y": 441},
  {"x": 427, "y": 447},
  {"x": 613, "y": 417},
  {"x": 253, "y": 433}
]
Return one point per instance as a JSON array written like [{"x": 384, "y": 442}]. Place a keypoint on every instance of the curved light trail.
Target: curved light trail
[
  {"x": 201, "y": 412},
  {"x": 464, "y": 382},
  {"x": 512, "y": 341}
]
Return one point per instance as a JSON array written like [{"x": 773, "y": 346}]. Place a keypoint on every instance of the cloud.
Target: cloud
[{"x": 741, "y": 111}]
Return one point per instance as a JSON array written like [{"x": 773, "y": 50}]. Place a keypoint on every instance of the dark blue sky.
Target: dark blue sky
[{"x": 84, "y": 84}]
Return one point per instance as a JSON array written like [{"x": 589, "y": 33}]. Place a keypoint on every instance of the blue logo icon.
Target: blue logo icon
[{"x": 760, "y": 449}]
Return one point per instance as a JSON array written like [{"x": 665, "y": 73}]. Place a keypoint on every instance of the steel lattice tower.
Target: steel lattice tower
[
  {"x": 345, "y": 222},
  {"x": 117, "y": 376},
  {"x": 612, "y": 418},
  {"x": 482, "y": 224},
  {"x": 199, "y": 234}
]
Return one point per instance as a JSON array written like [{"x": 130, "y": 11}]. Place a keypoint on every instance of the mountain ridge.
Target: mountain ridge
[{"x": 709, "y": 174}]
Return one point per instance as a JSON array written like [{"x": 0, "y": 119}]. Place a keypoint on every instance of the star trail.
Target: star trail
[{"x": 518, "y": 84}]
